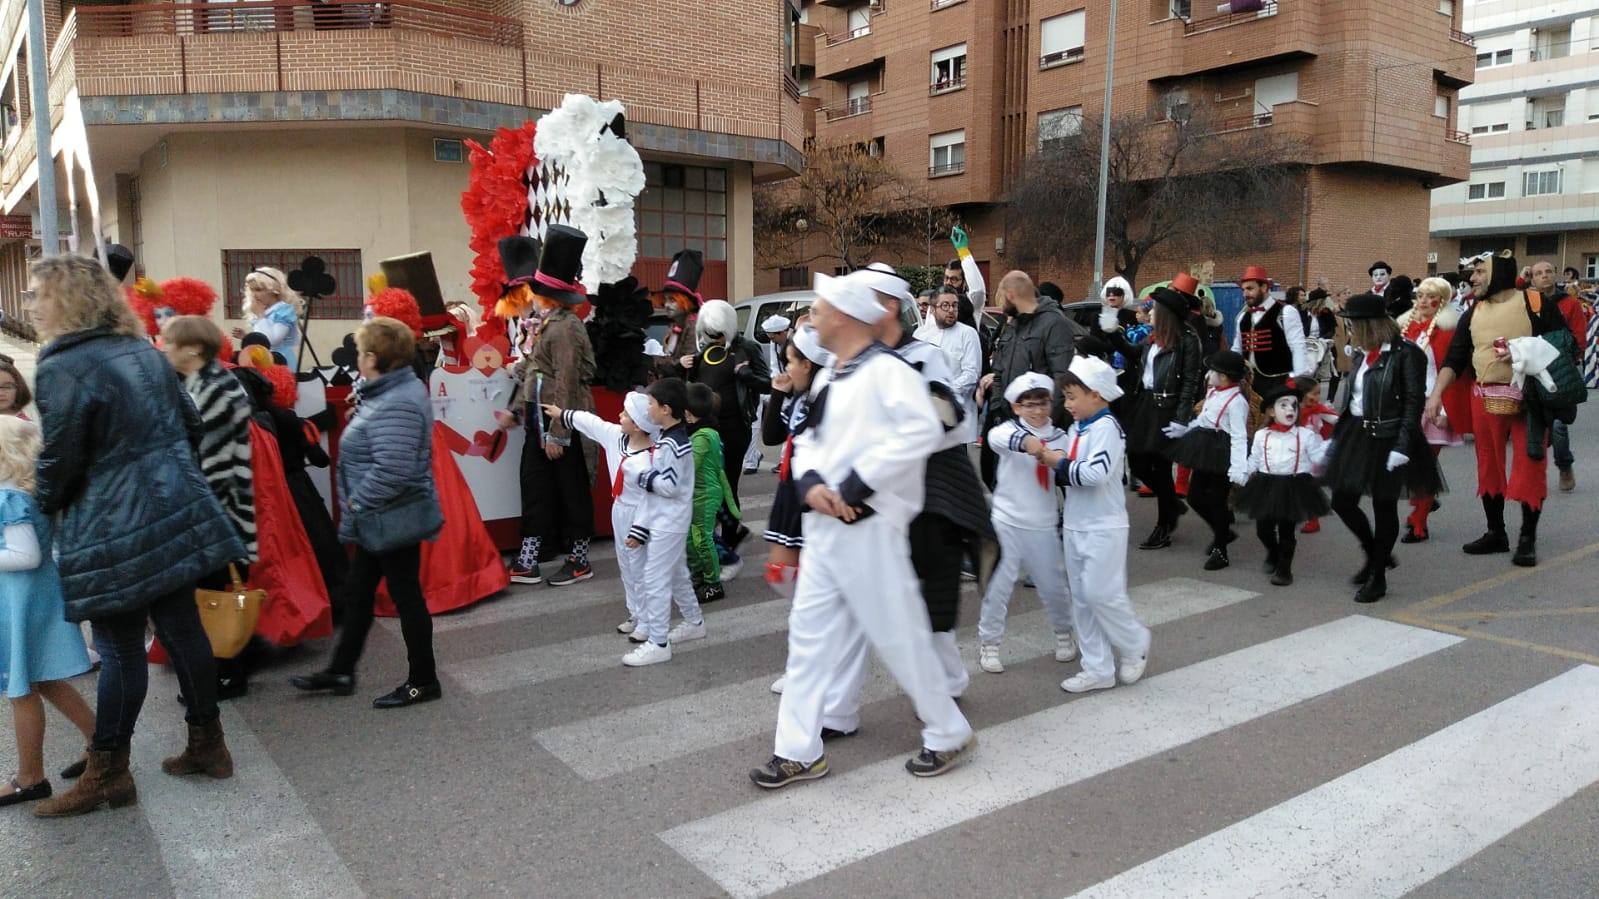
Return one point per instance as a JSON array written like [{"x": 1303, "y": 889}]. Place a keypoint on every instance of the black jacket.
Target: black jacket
[
  {"x": 137, "y": 520},
  {"x": 1179, "y": 374},
  {"x": 751, "y": 382},
  {"x": 1393, "y": 394}
]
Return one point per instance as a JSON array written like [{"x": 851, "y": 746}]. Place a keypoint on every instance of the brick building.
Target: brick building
[
  {"x": 957, "y": 93},
  {"x": 213, "y": 137},
  {"x": 1533, "y": 116}
]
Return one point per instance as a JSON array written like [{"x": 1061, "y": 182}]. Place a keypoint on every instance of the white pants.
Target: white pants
[
  {"x": 752, "y": 456},
  {"x": 842, "y": 708},
  {"x": 857, "y": 587},
  {"x": 665, "y": 579},
  {"x": 1096, "y": 566},
  {"x": 630, "y": 561},
  {"x": 1038, "y": 550}
]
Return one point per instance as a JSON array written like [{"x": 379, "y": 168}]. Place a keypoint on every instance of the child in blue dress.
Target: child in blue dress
[{"x": 39, "y": 649}]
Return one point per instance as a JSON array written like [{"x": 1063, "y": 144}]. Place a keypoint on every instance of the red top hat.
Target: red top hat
[
  {"x": 1255, "y": 273},
  {"x": 1186, "y": 283}
]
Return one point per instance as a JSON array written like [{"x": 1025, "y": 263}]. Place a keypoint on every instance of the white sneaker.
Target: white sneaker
[
  {"x": 988, "y": 658},
  {"x": 731, "y": 571},
  {"x": 1132, "y": 669},
  {"x": 1083, "y": 682},
  {"x": 627, "y": 627},
  {"x": 648, "y": 654},
  {"x": 1065, "y": 648},
  {"x": 777, "y": 685},
  {"x": 638, "y": 635},
  {"x": 685, "y": 632}
]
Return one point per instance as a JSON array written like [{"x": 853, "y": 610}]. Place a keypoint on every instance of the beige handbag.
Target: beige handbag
[{"x": 229, "y": 616}]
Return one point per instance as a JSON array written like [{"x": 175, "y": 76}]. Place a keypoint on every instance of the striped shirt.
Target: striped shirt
[{"x": 225, "y": 445}]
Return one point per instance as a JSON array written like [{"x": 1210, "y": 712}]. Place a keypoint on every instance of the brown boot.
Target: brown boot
[
  {"x": 105, "y": 779},
  {"x": 206, "y": 753}
]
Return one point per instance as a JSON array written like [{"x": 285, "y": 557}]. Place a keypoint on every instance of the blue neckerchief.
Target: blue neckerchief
[{"x": 1083, "y": 425}]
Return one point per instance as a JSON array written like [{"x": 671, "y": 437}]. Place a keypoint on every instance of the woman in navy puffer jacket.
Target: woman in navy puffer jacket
[
  {"x": 138, "y": 525},
  {"x": 385, "y": 453}
]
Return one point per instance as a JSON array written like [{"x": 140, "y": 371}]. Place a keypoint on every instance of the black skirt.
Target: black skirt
[
  {"x": 1143, "y": 423},
  {"x": 783, "y": 521},
  {"x": 1358, "y": 463},
  {"x": 1203, "y": 449},
  {"x": 1281, "y": 497}
]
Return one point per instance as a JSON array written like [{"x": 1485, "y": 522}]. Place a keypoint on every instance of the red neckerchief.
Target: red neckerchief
[
  {"x": 1280, "y": 428},
  {"x": 1371, "y": 356},
  {"x": 1042, "y": 473},
  {"x": 616, "y": 483},
  {"x": 788, "y": 453}
]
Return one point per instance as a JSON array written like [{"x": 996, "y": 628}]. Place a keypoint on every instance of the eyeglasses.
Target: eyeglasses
[
  {"x": 947, "y": 306},
  {"x": 1034, "y": 404}
]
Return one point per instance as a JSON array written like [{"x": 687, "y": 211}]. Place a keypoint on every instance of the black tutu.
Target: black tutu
[
  {"x": 1358, "y": 463},
  {"x": 1143, "y": 422},
  {"x": 783, "y": 522},
  {"x": 1203, "y": 449},
  {"x": 1281, "y": 497}
]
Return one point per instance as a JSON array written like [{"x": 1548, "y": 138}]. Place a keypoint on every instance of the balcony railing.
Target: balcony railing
[
  {"x": 833, "y": 40},
  {"x": 948, "y": 168},
  {"x": 1459, "y": 137},
  {"x": 1456, "y": 34},
  {"x": 851, "y": 107},
  {"x": 1258, "y": 10},
  {"x": 1060, "y": 57},
  {"x": 1553, "y": 51},
  {"x": 941, "y": 4},
  {"x": 946, "y": 85},
  {"x": 295, "y": 15},
  {"x": 1239, "y": 123}
]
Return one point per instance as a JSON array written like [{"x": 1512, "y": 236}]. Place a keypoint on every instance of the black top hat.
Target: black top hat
[
  {"x": 1228, "y": 363},
  {"x": 684, "y": 275},
  {"x": 415, "y": 273},
  {"x": 118, "y": 261},
  {"x": 1380, "y": 265},
  {"x": 1401, "y": 287},
  {"x": 1174, "y": 301},
  {"x": 519, "y": 256},
  {"x": 1288, "y": 387},
  {"x": 561, "y": 265},
  {"x": 1365, "y": 305}
]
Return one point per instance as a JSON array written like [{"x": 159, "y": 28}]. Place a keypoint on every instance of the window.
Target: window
[
  {"x": 1551, "y": 43},
  {"x": 682, "y": 207},
  {"x": 1546, "y": 112},
  {"x": 793, "y": 277},
  {"x": 447, "y": 149},
  {"x": 1488, "y": 190},
  {"x": 1174, "y": 106},
  {"x": 949, "y": 68},
  {"x": 1059, "y": 123},
  {"x": 859, "y": 21},
  {"x": 347, "y": 301},
  {"x": 1543, "y": 244},
  {"x": 946, "y": 153},
  {"x": 1447, "y": 7},
  {"x": 1061, "y": 40},
  {"x": 1491, "y": 58},
  {"x": 1440, "y": 106},
  {"x": 858, "y": 98},
  {"x": 1539, "y": 184},
  {"x": 1274, "y": 90},
  {"x": 1490, "y": 129},
  {"x": 1180, "y": 9},
  {"x": 1590, "y": 266}
]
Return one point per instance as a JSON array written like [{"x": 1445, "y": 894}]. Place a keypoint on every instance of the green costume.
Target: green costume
[{"x": 711, "y": 490}]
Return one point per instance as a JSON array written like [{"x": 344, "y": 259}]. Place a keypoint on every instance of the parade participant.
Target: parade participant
[
  {"x": 660, "y": 531},
  {"x": 963, "y": 276},
  {"x": 1026, "y": 515},
  {"x": 1036, "y": 340},
  {"x": 1378, "y": 449},
  {"x": 682, "y": 301},
  {"x": 735, "y": 368},
  {"x": 1430, "y": 324},
  {"x": 1282, "y": 491},
  {"x": 39, "y": 650},
  {"x": 14, "y": 393},
  {"x": 1215, "y": 447},
  {"x": 1399, "y": 296},
  {"x": 1271, "y": 342},
  {"x": 1576, "y": 316},
  {"x": 299, "y": 445},
  {"x": 137, "y": 478},
  {"x": 385, "y": 478},
  {"x": 963, "y": 351},
  {"x": 1381, "y": 273},
  {"x": 778, "y": 330},
  {"x": 273, "y": 309},
  {"x": 1094, "y": 524},
  {"x": 711, "y": 491},
  {"x": 629, "y": 446},
  {"x": 557, "y": 508},
  {"x": 863, "y": 462},
  {"x": 1169, "y": 373},
  {"x": 1319, "y": 417}
]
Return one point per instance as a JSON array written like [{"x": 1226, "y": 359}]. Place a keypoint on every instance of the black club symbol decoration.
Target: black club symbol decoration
[{"x": 311, "y": 280}]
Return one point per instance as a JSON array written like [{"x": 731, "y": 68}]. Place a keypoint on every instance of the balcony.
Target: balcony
[
  {"x": 937, "y": 5},
  {"x": 948, "y": 168},
  {"x": 805, "y": 48},
  {"x": 1276, "y": 32},
  {"x": 1210, "y": 23},
  {"x": 946, "y": 86},
  {"x": 854, "y": 106},
  {"x": 1459, "y": 137},
  {"x": 1455, "y": 34}
]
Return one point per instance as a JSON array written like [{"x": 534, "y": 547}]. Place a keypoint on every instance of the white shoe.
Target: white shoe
[
  {"x": 777, "y": 685},
  {"x": 648, "y": 654},
  {"x": 1065, "y": 648},
  {"x": 1083, "y": 682},
  {"x": 685, "y": 632},
  {"x": 731, "y": 571},
  {"x": 1132, "y": 669},
  {"x": 627, "y": 627},
  {"x": 988, "y": 658},
  {"x": 638, "y": 635}
]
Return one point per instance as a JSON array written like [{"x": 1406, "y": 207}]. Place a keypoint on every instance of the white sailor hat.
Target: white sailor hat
[
  {"x": 637, "y": 406},
  {"x": 852, "y": 297},
  {"x": 1097, "y": 375},
  {"x": 775, "y": 324},
  {"x": 810, "y": 346},
  {"x": 881, "y": 277},
  {"x": 1030, "y": 380}
]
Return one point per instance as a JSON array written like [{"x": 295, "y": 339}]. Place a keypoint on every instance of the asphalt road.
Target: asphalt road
[{"x": 1285, "y": 741}]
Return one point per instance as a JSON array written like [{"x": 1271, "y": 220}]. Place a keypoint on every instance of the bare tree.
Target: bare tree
[
  {"x": 1198, "y": 186},
  {"x": 849, "y": 207}
]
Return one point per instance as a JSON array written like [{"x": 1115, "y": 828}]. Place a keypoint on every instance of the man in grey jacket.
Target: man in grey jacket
[{"x": 1036, "y": 339}]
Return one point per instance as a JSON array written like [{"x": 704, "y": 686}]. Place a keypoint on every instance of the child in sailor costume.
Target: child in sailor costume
[
  {"x": 1282, "y": 491},
  {"x": 1094, "y": 524},
  {"x": 629, "y": 452},
  {"x": 1026, "y": 517},
  {"x": 660, "y": 531},
  {"x": 862, "y": 460},
  {"x": 1215, "y": 447}
]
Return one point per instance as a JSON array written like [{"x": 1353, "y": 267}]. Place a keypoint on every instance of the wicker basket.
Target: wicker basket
[{"x": 1500, "y": 399}]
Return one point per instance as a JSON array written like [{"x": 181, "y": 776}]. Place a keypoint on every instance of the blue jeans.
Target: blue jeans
[
  {"x": 125, "y": 670},
  {"x": 1562, "y": 442}
]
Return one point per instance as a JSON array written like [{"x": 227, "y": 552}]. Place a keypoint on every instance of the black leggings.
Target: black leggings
[
  {"x": 1277, "y": 536},
  {"x": 401, "y": 569},
  {"x": 1207, "y": 495},
  {"x": 1379, "y": 545},
  {"x": 1154, "y": 470}
]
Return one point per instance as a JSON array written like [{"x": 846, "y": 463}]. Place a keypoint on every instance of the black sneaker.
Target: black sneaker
[
  {"x": 1489, "y": 543},
  {"x": 525, "y": 575},
  {"x": 711, "y": 593},
  {"x": 1218, "y": 559},
  {"x": 1526, "y": 552},
  {"x": 570, "y": 573},
  {"x": 928, "y": 763},
  {"x": 337, "y": 684},
  {"x": 829, "y": 733},
  {"x": 408, "y": 694},
  {"x": 780, "y": 772}
]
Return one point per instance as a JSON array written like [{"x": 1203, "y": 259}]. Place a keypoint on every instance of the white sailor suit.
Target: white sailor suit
[
  {"x": 661, "y": 524},
  {"x": 624, "y": 466},
  {"x": 1026, "y": 512}
]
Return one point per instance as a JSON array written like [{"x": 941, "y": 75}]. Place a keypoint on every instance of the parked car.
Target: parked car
[{"x": 791, "y": 304}]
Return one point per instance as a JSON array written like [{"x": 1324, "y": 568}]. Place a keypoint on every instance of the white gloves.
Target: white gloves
[
  {"x": 1108, "y": 321},
  {"x": 1238, "y": 476},
  {"x": 1176, "y": 430},
  {"x": 1396, "y": 459}
]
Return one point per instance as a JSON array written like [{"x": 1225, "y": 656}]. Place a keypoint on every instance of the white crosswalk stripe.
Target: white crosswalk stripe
[
  {"x": 633, "y": 738},
  {"x": 750, "y": 850},
  {"x": 1398, "y": 822}
]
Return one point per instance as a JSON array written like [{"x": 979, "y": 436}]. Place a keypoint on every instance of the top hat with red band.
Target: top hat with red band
[
  {"x": 561, "y": 265},
  {"x": 519, "y": 256},
  {"x": 688, "y": 266}
]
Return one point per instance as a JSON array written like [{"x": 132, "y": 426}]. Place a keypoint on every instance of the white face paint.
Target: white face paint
[
  {"x": 1379, "y": 278},
  {"x": 1285, "y": 411},
  {"x": 1213, "y": 378}
]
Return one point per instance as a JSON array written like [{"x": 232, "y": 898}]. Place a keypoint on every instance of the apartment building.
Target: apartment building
[
  {"x": 1533, "y": 117},
  {"x": 214, "y": 137},
  {"x": 958, "y": 94}
]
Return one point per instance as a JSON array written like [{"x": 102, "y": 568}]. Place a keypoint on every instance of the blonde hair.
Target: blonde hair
[
  {"x": 1438, "y": 287},
  {"x": 20, "y": 442},
  {"x": 274, "y": 280},
  {"x": 86, "y": 296}
]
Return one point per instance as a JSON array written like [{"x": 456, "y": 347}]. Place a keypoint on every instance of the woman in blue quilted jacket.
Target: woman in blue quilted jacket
[
  {"x": 385, "y": 458},
  {"x": 138, "y": 525}
]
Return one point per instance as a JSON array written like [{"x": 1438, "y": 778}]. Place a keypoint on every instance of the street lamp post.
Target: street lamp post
[
  {"x": 1104, "y": 156},
  {"x": 39, "y": 72}
]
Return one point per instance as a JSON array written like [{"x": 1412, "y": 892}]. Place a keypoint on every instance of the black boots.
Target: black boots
[
  {"x": 1494, "y": 541},
  {"x": 1527, "y": 544},
  {"x": 1283, "y": 574},
  {"x": 1368, "y": 570},
  {"x": 1159, "y": 538},
  {"x": 1218, "y": 557},
  {"x": 1374, "y": 589}
]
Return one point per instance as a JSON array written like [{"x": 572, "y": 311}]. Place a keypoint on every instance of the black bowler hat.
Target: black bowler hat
[
  {"x": 519, "y": 256},
  {"x": 1380, "y": 265},
  {"x": 1365, "y": 305},
  {"x": 1289, "y": 387},
  {"x": 684, "y": 275},
  {"x": 118, "y": 261},
  {"x": 1174, "y": 301},
  {"x": 561, "y": 265},
  {"x": 1228, "y": 363}
]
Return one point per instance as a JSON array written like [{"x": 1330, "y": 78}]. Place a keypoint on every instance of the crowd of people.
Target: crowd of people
[{"x": 154, "y": 472}]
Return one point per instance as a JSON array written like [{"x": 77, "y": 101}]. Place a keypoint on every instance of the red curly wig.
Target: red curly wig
[
  {"x": 285, "y": 387},
  {"x": 397, "y": 303}
]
